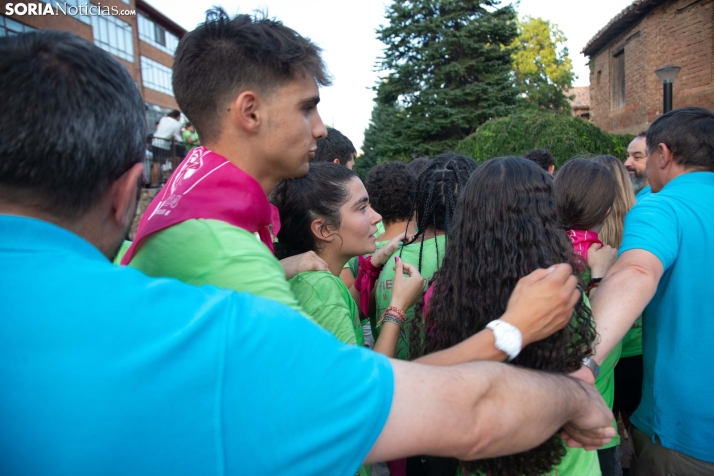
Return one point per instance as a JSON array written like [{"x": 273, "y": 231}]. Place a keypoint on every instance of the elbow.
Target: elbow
[{"x": 480, "y": 440}]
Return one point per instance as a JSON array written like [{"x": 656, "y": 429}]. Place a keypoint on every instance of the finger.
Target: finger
[
  {"x": 398, "y": 267},
  {"x": 596, "y": 246},
  {"x": 408, "y": 269},
  {"x": 535, "y": 276},
  {"x": 560, "y": 272}
]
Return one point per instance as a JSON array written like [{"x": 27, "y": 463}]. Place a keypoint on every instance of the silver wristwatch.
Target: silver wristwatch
[
  {"x": 508, "y": 337},
  {"x": 590, "y": 363}
]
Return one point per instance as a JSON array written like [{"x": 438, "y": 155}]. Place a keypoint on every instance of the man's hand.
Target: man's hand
[
  {"x": 406, "y": 290},
  {"x": 592, "y": 426},
  {"x": 542, "y": 302},
  {"x": 381, "y": 256},
  {"x": 600, "y": 259},
  {"x": 297, "y": 264}
]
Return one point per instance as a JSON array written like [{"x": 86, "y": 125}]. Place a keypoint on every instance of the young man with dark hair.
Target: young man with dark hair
[
  {"x": 543, "y": 157},
  {"x": 662, "y": 272},
  {"x": 636, "y": 165},
  {"x": 335, "y": 148},
  {"x": 106, "y": 370},
  {"x": 258, "y": 125}
]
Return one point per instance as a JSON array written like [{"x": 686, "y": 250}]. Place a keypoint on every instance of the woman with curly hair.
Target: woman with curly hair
[
  {"x": 437, "y": 192},
  {"x": 505, "y": 226}
]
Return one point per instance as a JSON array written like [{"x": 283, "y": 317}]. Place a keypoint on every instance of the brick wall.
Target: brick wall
[{"x": 676, "y": 33}]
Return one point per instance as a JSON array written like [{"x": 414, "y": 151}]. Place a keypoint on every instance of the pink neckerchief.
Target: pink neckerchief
[
  {"x": 205, "y": 185},
  {"x": 583, "y": 240}
]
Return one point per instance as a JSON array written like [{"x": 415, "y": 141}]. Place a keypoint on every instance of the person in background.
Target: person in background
[
  {"x": 161, "y": 365},
  {"x": 628, "y": 372},
  {"x": 418, "y": 165},
  {"x": 585, "y": 192},
  {"x": 543, "y": 157},
  {"x": 336, "y": 148},
  {"x": 437, "y": 192},
  {"x": 168, "y": 134},
  {"x": 636, "y": 165},
  {"x": 190, "y": 137}
]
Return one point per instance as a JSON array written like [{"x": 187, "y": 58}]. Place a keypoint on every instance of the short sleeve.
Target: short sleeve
[
  {"x": 320, "y": 298},
  {"x": 296, "y": 400},
  {"x": 652, "y": 226}
]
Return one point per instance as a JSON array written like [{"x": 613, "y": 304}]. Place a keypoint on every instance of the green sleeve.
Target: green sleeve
[
  {"x": 321, "y": 296},
  {"x": 202, "y": 252}
]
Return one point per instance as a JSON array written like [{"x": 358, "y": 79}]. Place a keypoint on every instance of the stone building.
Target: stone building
[
  {"x": 625, "y": 93},
  {"x": 135, "y": 33},
  {"x": 580, "y": 102}
]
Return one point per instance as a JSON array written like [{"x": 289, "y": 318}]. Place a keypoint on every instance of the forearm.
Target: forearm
[
  {"x": 474, "y": 410},
  {"x": 481, "y": 346},
  {"x": 621, "y": 297},
  {"x": 388, "y": 338}
]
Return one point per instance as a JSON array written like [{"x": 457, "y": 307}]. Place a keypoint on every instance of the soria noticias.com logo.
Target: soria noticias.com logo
[{"x": 59, "y": 8}]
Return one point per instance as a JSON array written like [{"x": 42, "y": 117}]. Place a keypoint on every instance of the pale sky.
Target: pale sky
[{"x": 345, "y": 30}]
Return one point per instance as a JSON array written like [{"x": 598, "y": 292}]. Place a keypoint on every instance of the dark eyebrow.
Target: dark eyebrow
[
  {"x": 359, "y": 202},
  {"x": 313, "y": 101}
]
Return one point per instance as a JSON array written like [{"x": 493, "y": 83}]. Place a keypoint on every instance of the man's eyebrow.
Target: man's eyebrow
[{"x": 313, "y": 101}]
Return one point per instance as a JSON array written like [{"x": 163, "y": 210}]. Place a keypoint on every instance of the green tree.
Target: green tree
[
  {"x": 543, "y": 70},
  {"x": 448, "y": 65}
]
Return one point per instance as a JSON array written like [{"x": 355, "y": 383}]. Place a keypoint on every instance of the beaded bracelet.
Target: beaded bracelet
[{"x": 390, "y": 315}]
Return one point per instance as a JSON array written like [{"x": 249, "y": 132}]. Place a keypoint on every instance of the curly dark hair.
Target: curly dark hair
[
  {"x": 391, "y": 187},
  {"x": 505, "y": 227},
  {"x": 300, "y": 200},
  {"x": 437, "y": 192},
  {"x": 543, "y": 157}
]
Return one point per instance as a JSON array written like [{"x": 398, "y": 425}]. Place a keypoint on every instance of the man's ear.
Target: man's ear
[
  {"x": 321, "y": 230},
  {"x": 246, "y": 111},
  {"x": 124, "y": 193},
  {"x": 336, "y": 161},
  {"x": 666, "y": 156}
]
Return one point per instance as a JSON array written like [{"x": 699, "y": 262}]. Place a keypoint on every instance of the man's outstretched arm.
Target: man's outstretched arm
[
  {"x": 624, "y": 293},
  {"x": 484, "y": 409}
]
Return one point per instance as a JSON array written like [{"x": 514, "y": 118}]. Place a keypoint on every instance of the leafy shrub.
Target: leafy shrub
[{"x": 564, "y": 135}]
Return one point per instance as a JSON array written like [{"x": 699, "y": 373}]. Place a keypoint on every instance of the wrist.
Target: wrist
[{"x": 517, "y": 322}]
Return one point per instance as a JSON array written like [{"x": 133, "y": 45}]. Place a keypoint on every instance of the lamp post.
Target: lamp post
[{"x": 667, "y": 74}]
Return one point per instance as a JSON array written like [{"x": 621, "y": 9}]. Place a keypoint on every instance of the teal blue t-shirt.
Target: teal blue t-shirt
[
  {"x": 677, "y": 226},
  {"x": 105, "y": 370}
]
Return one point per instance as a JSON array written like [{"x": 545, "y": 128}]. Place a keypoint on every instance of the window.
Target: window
[
  {"x": 156, "y": 35},
  {"x": 617, "y": 76},
  {"x": 10, "y": 27},
  {"x": 113, "y": 35},
  {"x": 156, "y": 76}
]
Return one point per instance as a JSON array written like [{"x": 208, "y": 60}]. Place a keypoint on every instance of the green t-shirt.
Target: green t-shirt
[
  {"x": 325, "y": 298},
  {"x": 429, "y": 266},
  {"x": 190, "y": 139},
  {"x": 632, "y": 342},
  {"x": 122, "y": 251},
  {"x": 213, "y": 252}
]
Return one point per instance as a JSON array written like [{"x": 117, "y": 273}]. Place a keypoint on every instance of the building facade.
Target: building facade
[
  {"x": 625, "y": 93},
  {"x": 138, "y": 35}
]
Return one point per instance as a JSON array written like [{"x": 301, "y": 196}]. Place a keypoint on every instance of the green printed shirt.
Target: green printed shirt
[{"x": 429, "y": 266}]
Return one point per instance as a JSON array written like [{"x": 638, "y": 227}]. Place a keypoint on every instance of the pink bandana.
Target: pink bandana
[
  {"x": 205, "y": 185},
  {"x": 583, "y": 240}
]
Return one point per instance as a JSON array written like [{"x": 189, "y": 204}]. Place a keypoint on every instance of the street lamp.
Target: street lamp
[{"x": 667, "y": 74}]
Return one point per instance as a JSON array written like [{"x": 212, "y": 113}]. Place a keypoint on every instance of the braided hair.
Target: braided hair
[{"x": 438, "y": 190}]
